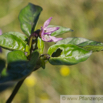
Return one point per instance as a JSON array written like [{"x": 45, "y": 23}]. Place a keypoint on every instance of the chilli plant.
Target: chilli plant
[{"x": 26, "y": 50}]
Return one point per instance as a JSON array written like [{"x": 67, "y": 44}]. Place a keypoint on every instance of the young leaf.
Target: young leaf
[
  {"x": 28, "y": 18},
  {"x": 40, "y": 45},
  {"x": 60, "y": 31},
  {"x": 83, "y": 43},
  {"x": 67, "y": 54},
  {"x": 12, "y": 42}
]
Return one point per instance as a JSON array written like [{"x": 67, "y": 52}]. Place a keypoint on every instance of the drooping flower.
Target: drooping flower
[
  {"x": 0, "y": 47},
  {"x": 46, "y": 32}
]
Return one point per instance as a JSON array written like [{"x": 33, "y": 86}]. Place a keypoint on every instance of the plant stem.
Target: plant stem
[{"x": 15, "y": 91}]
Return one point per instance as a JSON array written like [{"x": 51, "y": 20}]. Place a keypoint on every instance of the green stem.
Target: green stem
[
  {"x": 15, "y": 91},
  {"x": 30, "y": 41}
]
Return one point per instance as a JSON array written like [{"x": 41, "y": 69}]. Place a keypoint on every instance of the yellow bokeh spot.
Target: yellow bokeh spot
[
  {"x": 64, "y": 71},
  {"x": 30, "y": 81}
]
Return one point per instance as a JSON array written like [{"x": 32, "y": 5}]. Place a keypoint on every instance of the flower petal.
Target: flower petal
[
  {"x": 46, "y": 23},
  {"x": 51, "y": 30},
  {"x": 46, "y": 38},
  {"x": 50, "y": 38},
  {"x": 54, "y": 39}
]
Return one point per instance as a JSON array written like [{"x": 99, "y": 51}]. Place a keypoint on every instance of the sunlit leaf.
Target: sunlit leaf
[
  {"x": 17, "y": 34},
  {"x": 12, "y": 42},
  {"x": 86, "y": 44},
  {"x": 67, "y": 54}
]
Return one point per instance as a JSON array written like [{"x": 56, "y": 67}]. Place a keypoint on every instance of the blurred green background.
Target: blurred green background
[{"x": 85, "y": 17}]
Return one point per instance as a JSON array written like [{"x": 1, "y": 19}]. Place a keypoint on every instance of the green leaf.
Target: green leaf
[
  {"x": 16, "y": 56},
  {"x": 28, "y": 18},
  {"x": 12, "y": 42},
  {"x": 72, "y": 40},
  {"x": 20, "y": 69},
  {"x": 42, "y": 62},
  {"x": 15, "y": 71},
  {"x": 34, "y": 59},
  {"x": 17, "y": 34},
  {"x": 94, "y": 48},
  {"x": 60, "y": 31},
  {"x": 40, "y": 45},
  {"x": 83, "y": 43},
  {"x": 67, "y": 54}
]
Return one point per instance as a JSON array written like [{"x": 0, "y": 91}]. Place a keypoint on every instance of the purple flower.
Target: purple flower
[
  {"x": 46, "y": 32},
  {"x": 0, "y": 34}
]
